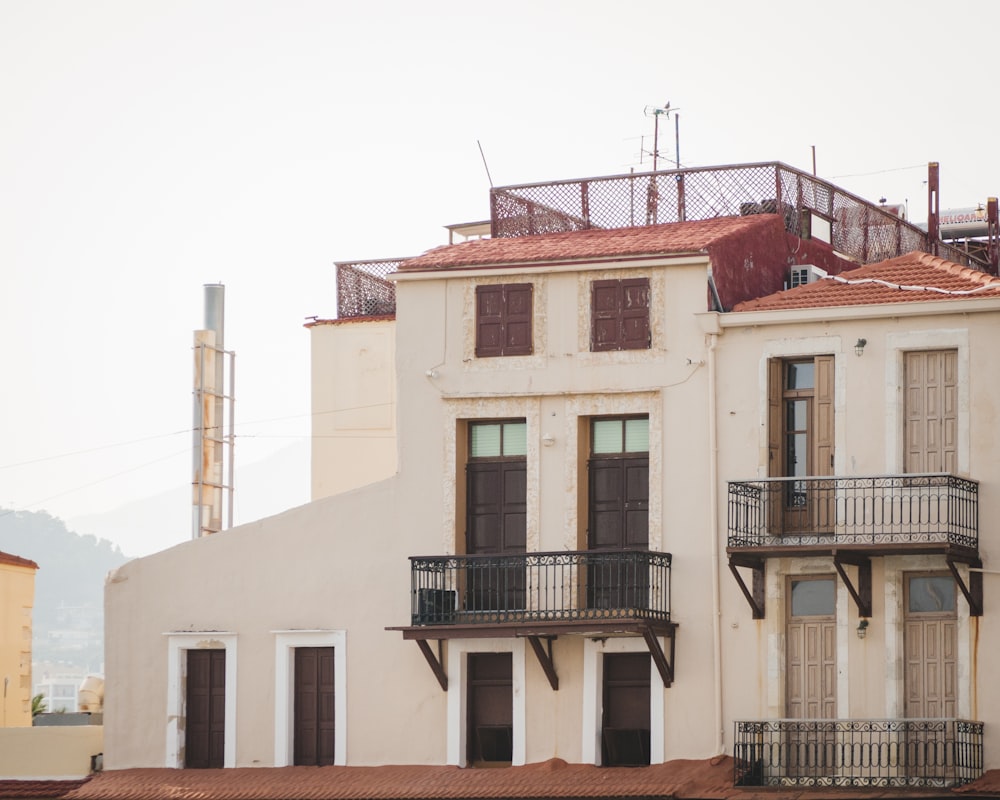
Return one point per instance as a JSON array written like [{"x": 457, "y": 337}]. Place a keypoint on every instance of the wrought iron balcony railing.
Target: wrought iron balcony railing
[
  {"x": 858, "y": 752},
  {"x": 540, "y": 587},
  {"x": 880, "y": 511}
]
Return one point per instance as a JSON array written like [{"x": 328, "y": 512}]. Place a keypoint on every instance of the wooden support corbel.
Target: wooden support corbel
[
  {"x": 863, "y": 593},
  {"x": 545, "y": 659},
  {"x": 436, "y": 662},
  {"x": 665, "y": 667},
  {"x": 974, "y": 591},
  {"x": 756, "y": 597}
]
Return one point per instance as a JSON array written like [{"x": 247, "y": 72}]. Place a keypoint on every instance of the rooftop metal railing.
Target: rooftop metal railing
[{"x": 809, "y": 206}]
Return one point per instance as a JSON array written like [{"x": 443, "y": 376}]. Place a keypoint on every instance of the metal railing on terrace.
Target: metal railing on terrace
[
  {"x": 363, "y": 289},
  {"x": 881, "y": 511},
  {"x": 538, "y": 587},
  {"x": 811, "y": 207},
  {"x": 858, "y": 752}
]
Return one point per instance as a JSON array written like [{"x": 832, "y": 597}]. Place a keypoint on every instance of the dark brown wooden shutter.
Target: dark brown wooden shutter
[
  {"x": 605, "y": 299},
  {"x": 489, "y": 321},
  {"x": 620, "y": 314},
  {"x": 635, "y": 314},
  {"x": 517, "y": 325}
]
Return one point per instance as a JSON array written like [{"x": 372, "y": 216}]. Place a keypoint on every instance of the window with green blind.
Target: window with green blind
[
  {"x": 498, "y": 439},
  {"x": 620, "y": 435}
]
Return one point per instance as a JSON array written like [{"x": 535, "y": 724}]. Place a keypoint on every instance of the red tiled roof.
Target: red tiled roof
[
  {"x": 914, "y": 277},
  {"x": 39, "y": 789},
  {"x": 16, "y": 561},
  {"x": 673, "y": 238},
  {"x": 704, "y": 779}
]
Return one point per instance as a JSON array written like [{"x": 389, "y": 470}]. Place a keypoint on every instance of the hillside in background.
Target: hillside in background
[
  {"x": 68, "y": 617},
  {"x": 146, "y": 526}
]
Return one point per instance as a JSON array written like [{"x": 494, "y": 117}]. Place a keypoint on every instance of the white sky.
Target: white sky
[{"x": 150, "y": 147}]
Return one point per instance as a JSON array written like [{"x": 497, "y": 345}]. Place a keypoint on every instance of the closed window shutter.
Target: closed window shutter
[
  {"x": 517, "y": 326},
  {"x": 606, "y": 307},
  {"x": 635, "y": 314},
  {"x": 489, "y": 321}
]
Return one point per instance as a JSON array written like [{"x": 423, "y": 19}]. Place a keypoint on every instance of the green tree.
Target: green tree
[{"x": 37, "y": 705}]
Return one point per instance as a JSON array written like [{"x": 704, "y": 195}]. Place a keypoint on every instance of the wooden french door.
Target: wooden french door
[
  {"x": 205, "y": 724},
  {"x": 314, "y": 703},
  {"x": 497, "y": 509},
  {"x": 801, "y": 444}
]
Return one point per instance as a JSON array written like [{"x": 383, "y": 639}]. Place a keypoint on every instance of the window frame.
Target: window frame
[{"x": 504, "y": 320}]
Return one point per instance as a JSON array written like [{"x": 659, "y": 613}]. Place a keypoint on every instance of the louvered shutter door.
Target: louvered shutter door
[
  {"x": 489, "y": 321},
  {"x": 605, "y": 315},
  {"x": 517, "y": 324},
  {"x": 635, "y": 314}
]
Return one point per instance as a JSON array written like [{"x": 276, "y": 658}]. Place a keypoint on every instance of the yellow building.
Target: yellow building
[{"x": 17, "y": 596}]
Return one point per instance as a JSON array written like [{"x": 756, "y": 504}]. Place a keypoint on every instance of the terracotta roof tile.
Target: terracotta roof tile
[
  {"x": 675, "y": 237},
  {"x": 16, "y": 561},
  {"x": 39, "y": 789},
  {"x": 914, "y": 277},
  {"x": 705, "y": 779}
]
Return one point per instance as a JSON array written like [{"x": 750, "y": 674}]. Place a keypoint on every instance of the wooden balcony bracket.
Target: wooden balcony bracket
[
  {"x": 974, "y": 591},
  {"x": 545, "y": 659},
  {"x": 756, "y": 597},
  {"x": 862, "y": 594},
  {"x": 436, "y": 662},
  {"x": 665, "y": 667}
]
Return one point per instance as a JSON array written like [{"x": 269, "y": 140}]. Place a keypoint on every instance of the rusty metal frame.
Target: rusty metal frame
[
  {"x": 862, "y": 594},
  {"x": 755, "y": 597},
  {"x": 974, "y": 590},
  {"x": 436, "y": 662},
  {"x": 545, "y": 659}
]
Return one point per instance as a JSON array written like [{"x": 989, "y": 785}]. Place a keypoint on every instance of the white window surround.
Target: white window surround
[
  {"x": 285, "y": 643},
  {"x": 178, "y": 644},
  {"x": 593, "y": 697},
  {"x": 458, "y": 691},
  {"x": 897, "y": 345}
]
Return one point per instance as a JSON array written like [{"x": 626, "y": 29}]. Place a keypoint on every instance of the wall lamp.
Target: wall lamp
[
  {"x": 862, "y": 629},
  {"x": 859, "y": 347}
]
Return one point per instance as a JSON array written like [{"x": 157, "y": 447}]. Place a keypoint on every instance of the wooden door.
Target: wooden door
[
  {"x": 811, "y": 672},
  {"x": 801, "y": 444},
  {"x": 496, "y": 526},
  {"x": 618, "y": 521},
  {"x": 314, "y": 706},
  {"x": 205, "y": 725},
  {"x": 931, "y": 411},
  {"x": 931, "y": 645},
  {"x": 625, "y": 722},
  {"x": 490, "y": 709}
]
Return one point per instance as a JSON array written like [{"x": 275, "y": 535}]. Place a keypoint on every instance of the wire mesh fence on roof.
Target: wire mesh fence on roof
[
  {"x": 363, "y": 289},
  {"x": 810, "y": 207}
]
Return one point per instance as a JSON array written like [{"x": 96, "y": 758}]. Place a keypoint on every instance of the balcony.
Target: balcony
[
  {"x": 540, "y": 596},
  {"x": 858, "y": 752},
  {"x": 854, "y": 519}
]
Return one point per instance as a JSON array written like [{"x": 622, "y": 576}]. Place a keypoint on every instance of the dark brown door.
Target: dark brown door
[
  {"x": 497, "y": 508},
  {"x": 619, "y": 522},
  {"x": 625, "y": 727},
  {"x": 314, "y": 706},
  {"x": 490, "y": 708},
  {"x": 205, "y": 726}
]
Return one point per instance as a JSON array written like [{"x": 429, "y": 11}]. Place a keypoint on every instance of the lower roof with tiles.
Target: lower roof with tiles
[
  {"x": 710, "y": 779},
  {"x": 913, "y": 277}
]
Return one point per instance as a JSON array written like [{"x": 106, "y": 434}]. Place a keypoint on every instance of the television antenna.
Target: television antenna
[{"x": 665, "y": 111}]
